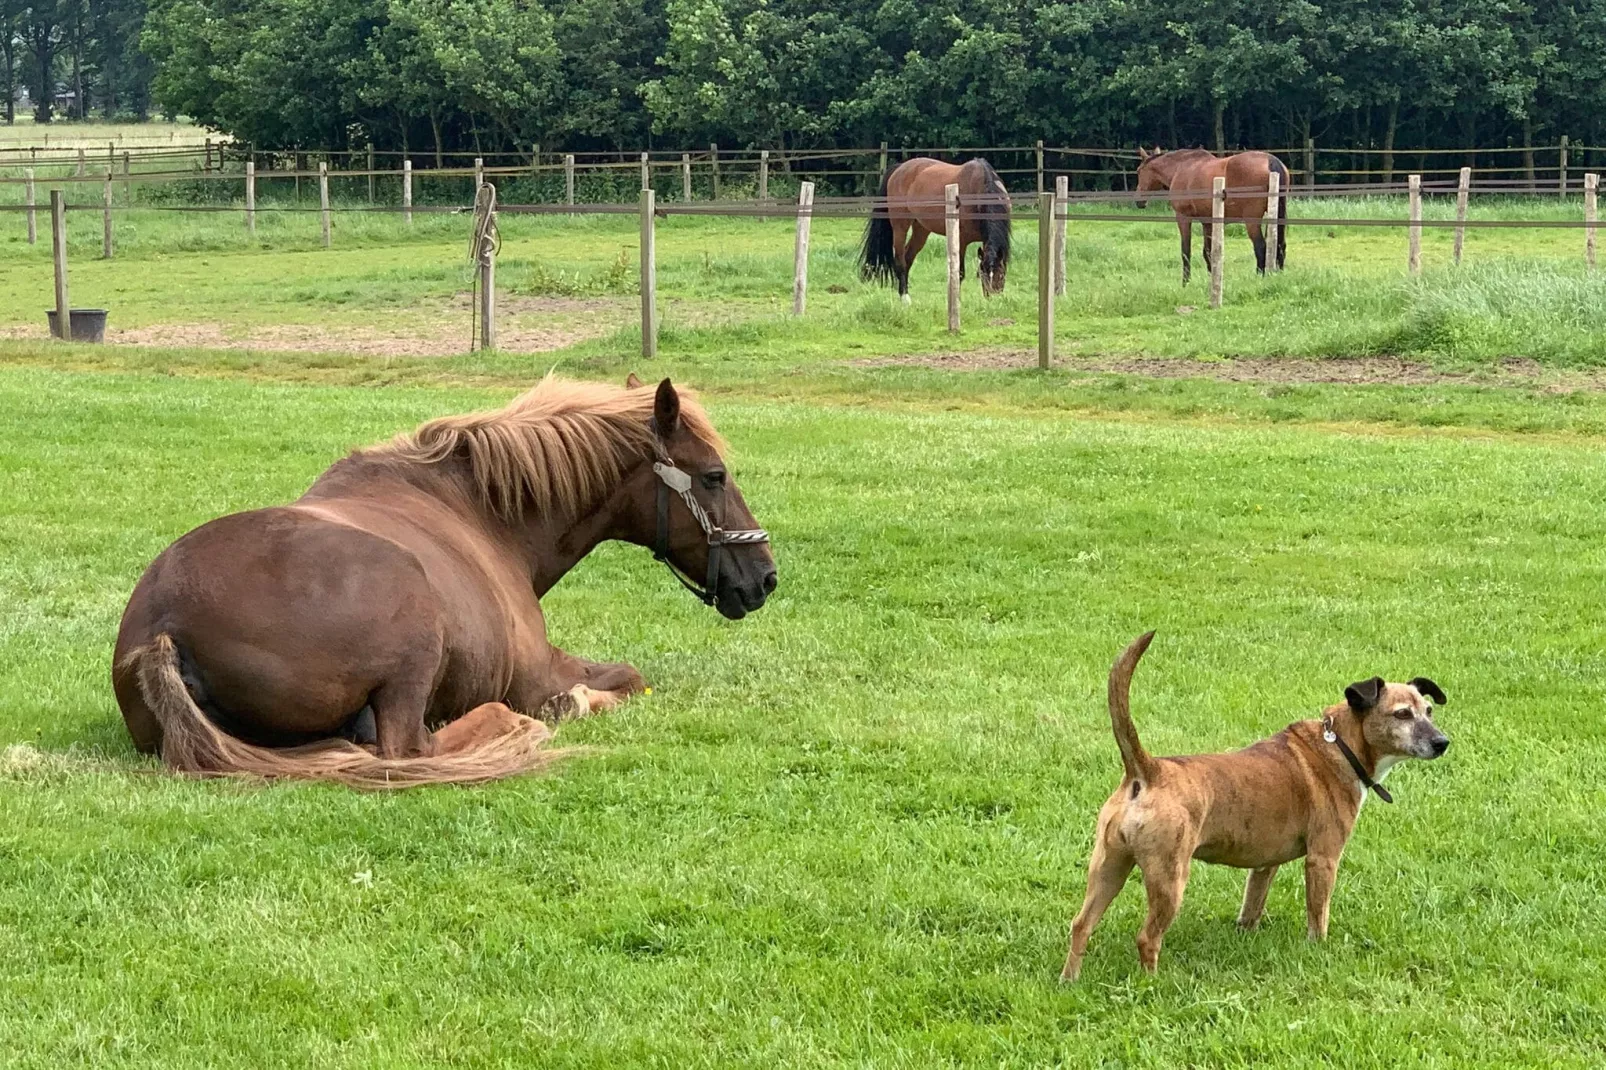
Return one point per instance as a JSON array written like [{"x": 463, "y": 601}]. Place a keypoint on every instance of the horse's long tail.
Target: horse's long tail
[
  {"x": 191, "y": 743},
  {"x": 1139, "y": 766},
  {"x": 1281, "y": 252},
  {"x": 876, "y": 263}
]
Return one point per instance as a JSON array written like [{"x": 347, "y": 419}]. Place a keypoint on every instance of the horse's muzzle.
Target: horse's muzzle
[{"x": 736, "y": 599}]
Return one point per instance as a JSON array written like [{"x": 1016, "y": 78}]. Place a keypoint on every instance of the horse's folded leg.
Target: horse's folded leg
[
  {"x": 566, "y": 705},
  {"x": 477, "y": 727}
]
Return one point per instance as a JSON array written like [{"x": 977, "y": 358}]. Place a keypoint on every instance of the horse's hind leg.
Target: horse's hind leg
[
  {"x": 1258, "y": 240},
  {"x": 573, "y": 687},
  {"x": 900, "y": 265},
  {"x": 1185, "y": 225},
  {"x": 917, "y": 241}
]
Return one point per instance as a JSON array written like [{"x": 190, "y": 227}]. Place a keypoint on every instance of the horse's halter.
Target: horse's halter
[{"x": 671, "y": 478}]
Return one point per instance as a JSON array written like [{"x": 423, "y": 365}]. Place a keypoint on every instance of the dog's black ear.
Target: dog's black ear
[
  {"x": 1430, "y": 689},
  {"x": 1364, "y": 695}
]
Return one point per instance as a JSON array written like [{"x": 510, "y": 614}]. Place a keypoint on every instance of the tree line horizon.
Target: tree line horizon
[{"x": 437, "y": 76}]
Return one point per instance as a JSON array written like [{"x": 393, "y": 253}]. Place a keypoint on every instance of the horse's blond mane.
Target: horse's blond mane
[{"x": 556, "y": 449}]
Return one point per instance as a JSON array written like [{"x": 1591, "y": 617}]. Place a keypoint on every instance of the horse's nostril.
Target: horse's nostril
[{"x": 770, "y": 580}]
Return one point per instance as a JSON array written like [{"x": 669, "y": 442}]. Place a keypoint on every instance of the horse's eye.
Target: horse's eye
[{"x": 714, "y": 480}]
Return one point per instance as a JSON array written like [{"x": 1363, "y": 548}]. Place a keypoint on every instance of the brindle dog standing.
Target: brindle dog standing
[
  {"x": 1295, "y": 794},
  {"x": 1189, "y": 174},
  {"x": 403, "y": 591}
]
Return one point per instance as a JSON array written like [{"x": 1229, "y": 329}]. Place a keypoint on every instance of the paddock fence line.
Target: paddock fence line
[
  {"x": 709, "y": 173},
  {"x": 1051, "y": 210}
]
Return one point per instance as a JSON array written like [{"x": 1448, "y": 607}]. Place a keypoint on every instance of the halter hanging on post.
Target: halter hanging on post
[{"x": 671, "y": 478}]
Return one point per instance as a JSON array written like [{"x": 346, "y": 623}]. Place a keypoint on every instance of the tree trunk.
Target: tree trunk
[
  {"x": 435, "y": 127},
  {"x": 8, "y": 51},
  {"x": 78, "y": 67},
  {"x": 1221, "y": 133},
  {"x": 43, "y": 54},
  {"x": 1171, "y": 124},
  {"x": 1388, "y": 140}
]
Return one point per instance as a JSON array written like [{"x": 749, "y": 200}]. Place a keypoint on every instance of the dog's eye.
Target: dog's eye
[{"x": 1404, "y": 715}]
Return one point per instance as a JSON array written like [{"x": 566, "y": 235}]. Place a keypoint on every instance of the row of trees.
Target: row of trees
[
  {"x": 578, "y": 74},
  {"x": 89, "y": 50}
]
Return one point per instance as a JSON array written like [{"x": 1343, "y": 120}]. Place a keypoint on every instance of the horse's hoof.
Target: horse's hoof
[
  {"x": 566, "y": 705},
  {"x": 906, "y": 299}
]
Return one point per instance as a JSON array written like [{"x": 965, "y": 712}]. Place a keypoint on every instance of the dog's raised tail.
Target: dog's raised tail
[{"x": 1139, "y": 766}]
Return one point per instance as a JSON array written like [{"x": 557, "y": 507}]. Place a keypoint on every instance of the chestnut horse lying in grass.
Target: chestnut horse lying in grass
[
  {"x": 1189, "y": 173},
  {"x": 402, "y": 593},
  {"x": 914, "y": 209}
]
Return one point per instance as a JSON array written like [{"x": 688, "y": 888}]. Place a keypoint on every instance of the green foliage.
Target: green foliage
[{"x": 486, "y": 74}]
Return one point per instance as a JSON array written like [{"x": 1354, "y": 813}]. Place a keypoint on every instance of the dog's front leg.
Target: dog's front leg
[
  {"x": 1255, "y": 893},
  {"x": 1321, "y": 870}
]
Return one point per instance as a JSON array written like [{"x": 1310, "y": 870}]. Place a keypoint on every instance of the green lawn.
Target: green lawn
[
  {"x": 725, "y": 288},
  {"x": 852, "y": 828}
]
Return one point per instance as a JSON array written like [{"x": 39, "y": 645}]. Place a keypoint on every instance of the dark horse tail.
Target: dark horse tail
[
  {"x": 876, "y": 263},
  {"x": 1281, "y": 252},
  {"x": 192, "y": 743}
]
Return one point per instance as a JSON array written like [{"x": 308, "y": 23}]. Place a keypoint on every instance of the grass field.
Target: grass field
[
  {"x": 725, "y": 289},
  {"x": 851, "y": 829}
]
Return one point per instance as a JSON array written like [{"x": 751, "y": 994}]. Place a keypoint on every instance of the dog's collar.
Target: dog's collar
[{"x": 1332, "y": 736}]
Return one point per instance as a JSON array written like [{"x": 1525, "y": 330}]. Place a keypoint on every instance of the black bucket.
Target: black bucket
[{"x": 88, "y": 324}]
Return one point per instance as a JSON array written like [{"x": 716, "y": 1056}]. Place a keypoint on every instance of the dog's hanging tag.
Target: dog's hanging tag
[{"x": 1327, "y": 730}]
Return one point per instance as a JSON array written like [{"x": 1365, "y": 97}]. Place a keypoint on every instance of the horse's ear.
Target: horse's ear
[
  {"x": 1143, "y": 153},
  {"x": 632, "y": 382},
  {"x": 666, "y": 409}
]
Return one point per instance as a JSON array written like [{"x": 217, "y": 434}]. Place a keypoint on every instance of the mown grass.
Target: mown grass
[
  {"x": 725, "y": 285},
  {"x": 851, "y": 829}
]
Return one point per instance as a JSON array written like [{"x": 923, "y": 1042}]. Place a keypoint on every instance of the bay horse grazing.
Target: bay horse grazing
[
  {"x": 1188, "y": 174},
  {"x": 912, "y": 195},
  {"x": 401, "y": 593}
]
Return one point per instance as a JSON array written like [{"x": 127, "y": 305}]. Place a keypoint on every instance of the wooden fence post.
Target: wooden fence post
[
  {"x": 479, "y": 174},
  {"x": 883, "y": 171},
  {"x": 1045, "y": 280},
  {"x": 800, "y": 258},
  {"x": 535, "y": 162},
  {"x": 370, "y": 174},
  {"x": 28, "y": 199},
  {"x": 1561, "y": 167},
  {"x": 649, "y": 277},
  {"x": 646, "y": 172},
  {"x": 763, "y": 178},
  {"x": 1062, "y": 201},
  {"x": 685, "y": 176},
  {"x": 568, "y": 178},
  {"x": 1413, "y": 259},
  {"x": 1039, "y": 167},
  {"x": 487, "y": 269},
  {"x": 250, "y": 197},
  {"x": 713, "y": 158},
  {"x": 950, "y": 213},
  {"x": 58, "y": 250},
  {"x": 80, "y": 163},
  {"x": 1217, "y": 238},
  {"x": 407, "y": 192},
  {"x": 208, "y": 166},
  {"x": 1462, "y": 187},
  {"x": 1591, "y": 184},
  {"x": 106, "y": 218},
  {"x": 1274, "y": 196},
  {"x": 1310, "y": 163},
  {"x": 323, "y": 198},
  {"x": 128, "y": 191}
]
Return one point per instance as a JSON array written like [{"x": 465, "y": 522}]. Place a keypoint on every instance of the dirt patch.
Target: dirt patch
[
  {"x": 524, "y": 325},
  {"x": 1516, "y": 371}
]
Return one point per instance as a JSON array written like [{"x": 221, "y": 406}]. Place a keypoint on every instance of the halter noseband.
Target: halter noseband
[{"x": 671, "y": 478}]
